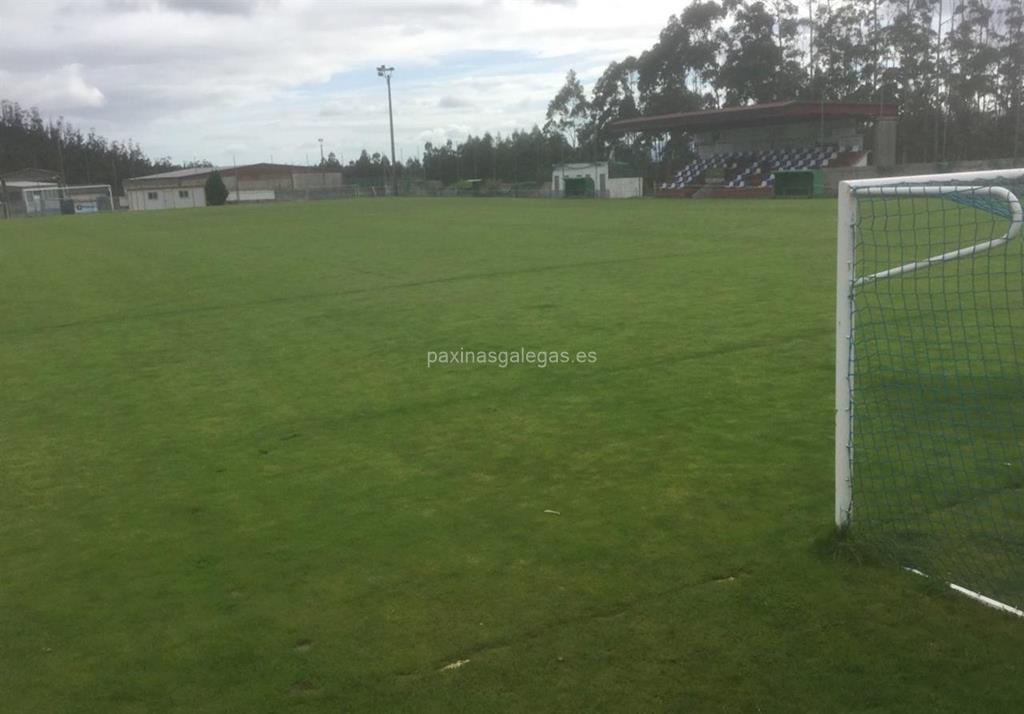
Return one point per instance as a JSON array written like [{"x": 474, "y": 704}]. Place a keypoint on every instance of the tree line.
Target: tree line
[
  {"x": 29, "y": 141},
  {"x": 956, "y": 71}
]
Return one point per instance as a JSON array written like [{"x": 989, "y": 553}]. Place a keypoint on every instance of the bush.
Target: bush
[{"x": 216, "y": 191}]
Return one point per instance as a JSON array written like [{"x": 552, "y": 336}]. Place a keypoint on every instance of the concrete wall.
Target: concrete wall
[
  {"x": 849, "y": 173},
  {"x": 151, "y": 199},
  {"x": 884, "y": 154},
  {"x": 840, "y": 131},
  {"x": 251, "y": 195},
  {"x": 316, "y": 179},
  {"x": 632, "y": 187}
]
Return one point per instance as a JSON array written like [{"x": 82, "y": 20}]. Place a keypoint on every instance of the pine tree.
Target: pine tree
[{"x": 216, "y": 191}]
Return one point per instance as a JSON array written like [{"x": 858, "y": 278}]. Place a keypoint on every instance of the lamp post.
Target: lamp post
[
  {"x": 323, "y": 168},
  {"x": 385, "y": 72}
]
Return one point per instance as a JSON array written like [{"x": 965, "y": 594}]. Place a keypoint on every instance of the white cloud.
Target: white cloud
[
  {"x": 268, "y": 76},
  {"x": 447, "y": 101},
  {"x": 63, "y": 87},
  {"x": 336, "y": 109},
  {"x": 438, "y": 136}
]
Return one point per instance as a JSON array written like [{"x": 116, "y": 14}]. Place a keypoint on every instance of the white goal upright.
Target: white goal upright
[
  {"x": 56, "y": 200},
  {"x": 929, "y": 465}
]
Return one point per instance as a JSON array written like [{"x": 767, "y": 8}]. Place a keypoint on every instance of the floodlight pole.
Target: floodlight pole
[
  {"x": 323, "y": 167},
  {"x": 385, "y": 72}
]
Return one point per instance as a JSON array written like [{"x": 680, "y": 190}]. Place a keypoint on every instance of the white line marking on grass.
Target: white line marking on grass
[
  {"x": 454, "y": 665},
  {"x": 983, "y": 599}
]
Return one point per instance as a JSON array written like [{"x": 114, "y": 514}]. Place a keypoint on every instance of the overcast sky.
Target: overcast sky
[{"x": 260, "y": 78}]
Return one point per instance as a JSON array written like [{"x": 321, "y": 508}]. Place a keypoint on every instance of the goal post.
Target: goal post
[
  {"x": 929, "y": 427},
  {"x": 56, "y": 200}
]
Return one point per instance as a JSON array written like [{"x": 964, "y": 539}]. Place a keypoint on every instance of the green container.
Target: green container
[
  {"x": 579, "y": 187},
  {"x": 799, "y": 184}
]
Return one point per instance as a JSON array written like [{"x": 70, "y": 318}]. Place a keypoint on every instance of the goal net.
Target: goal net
[
  {"x": 56, "y": 200},
  {"x": 930, "y": 376}
]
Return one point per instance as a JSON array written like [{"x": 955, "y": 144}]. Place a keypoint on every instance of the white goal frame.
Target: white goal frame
[
  {"x": 846, "y": 282},
  {"x": 64, "y": 192}
]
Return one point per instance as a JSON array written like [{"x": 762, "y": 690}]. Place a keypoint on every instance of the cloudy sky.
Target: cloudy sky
[{"x": 258, "y": 79}]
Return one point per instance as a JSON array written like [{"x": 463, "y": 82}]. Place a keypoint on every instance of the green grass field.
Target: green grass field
[{"x": 230, "y": 482}]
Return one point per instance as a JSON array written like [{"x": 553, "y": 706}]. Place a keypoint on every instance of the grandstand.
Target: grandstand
[
  {"x": 752, "y": 169},
  {"x": 740, "y": 149}
]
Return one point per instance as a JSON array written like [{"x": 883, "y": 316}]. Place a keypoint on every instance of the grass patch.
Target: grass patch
[{"x": 231, "y": 483}]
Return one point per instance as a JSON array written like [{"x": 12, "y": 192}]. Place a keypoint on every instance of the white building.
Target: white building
[
  {"x": 598, "y": 173},
  {"x": 186, "y": 188},
  {"x": 14, "y": 184},
  {"x": 171, "y": 189}
]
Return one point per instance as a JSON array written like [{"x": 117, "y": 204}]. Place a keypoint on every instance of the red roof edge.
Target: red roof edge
[{"x": 753, "y": 115}]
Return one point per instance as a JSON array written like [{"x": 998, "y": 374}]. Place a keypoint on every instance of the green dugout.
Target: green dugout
[{"x": 803, "y": 184}]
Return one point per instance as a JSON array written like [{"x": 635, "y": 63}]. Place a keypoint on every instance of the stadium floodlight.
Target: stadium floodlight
[
  {"x": 385, "y": 72},
  {"x": 929, "y": 462},
  {"x": 56, "y": 200}
]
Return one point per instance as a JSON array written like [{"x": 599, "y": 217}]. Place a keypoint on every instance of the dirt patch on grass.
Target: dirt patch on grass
[{"x": 305, "y": 686}]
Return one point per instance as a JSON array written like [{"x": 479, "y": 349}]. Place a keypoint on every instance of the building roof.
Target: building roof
[
  {"x": 32, "y": 175},
  {"x": 20, "y": 185},
  {"x": 203, "y": 171},
  {"x": 579, "y": 164},
  {"x": 180, "y": 173},
  {"x": 753, "y": 115}
]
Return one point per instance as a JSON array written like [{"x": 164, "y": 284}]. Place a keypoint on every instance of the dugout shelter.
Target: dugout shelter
[{"x": 595, "y": 179}]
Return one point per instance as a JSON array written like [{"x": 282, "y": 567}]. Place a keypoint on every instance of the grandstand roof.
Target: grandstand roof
[{"x": 753, "y": 115}]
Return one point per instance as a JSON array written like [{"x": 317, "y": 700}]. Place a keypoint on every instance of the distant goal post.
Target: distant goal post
[
  {"x": 929, "y": 380},
  {"x": 67, "y": 200}
]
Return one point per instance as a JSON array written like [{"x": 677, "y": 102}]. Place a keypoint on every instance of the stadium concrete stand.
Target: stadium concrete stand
[{"x": 747, "y": 169}]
